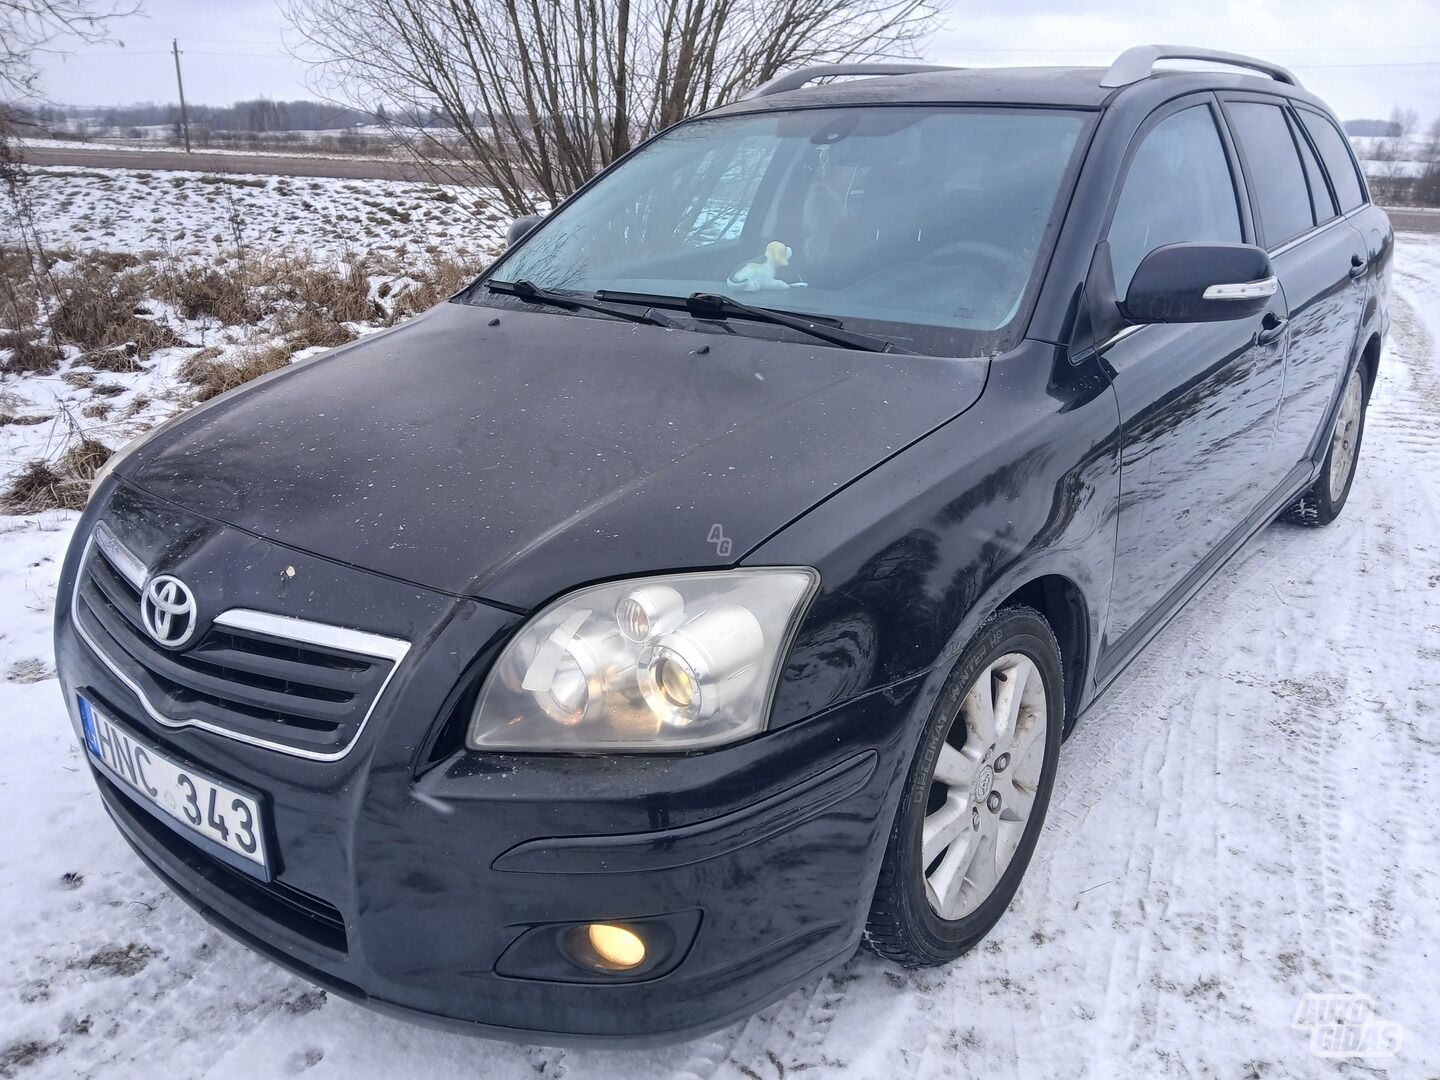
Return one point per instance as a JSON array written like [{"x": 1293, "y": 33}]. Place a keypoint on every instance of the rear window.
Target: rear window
[
  {"x": 1338, "y": 163},
  {"x": 1275, "y": 171}
]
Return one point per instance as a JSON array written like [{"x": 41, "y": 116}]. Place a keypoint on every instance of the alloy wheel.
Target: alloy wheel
[
  {"x": 1346, "y": 439},
  {"x": 984, "y": 786}
]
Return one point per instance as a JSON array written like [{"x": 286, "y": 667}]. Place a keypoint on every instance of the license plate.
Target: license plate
[{"x": 197, "y": 804}]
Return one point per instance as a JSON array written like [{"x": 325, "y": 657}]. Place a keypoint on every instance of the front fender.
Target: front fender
[{"x": 916, "y": 554}]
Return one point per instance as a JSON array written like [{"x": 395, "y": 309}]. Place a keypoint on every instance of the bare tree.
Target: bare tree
[
  {"x": 533, "y": 97},
  {"x": 31, "y": 28}
]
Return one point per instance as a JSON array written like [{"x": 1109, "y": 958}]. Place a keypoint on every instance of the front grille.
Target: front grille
[
  {"x": 314, "y": 919},
  {"x": 307, "y": 697}
]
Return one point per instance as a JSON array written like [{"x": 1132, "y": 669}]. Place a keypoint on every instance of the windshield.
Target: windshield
[{"x": 921, "y": 224}]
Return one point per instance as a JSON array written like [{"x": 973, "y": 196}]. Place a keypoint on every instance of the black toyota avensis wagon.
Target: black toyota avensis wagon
[{"x": 708, "y": 588}]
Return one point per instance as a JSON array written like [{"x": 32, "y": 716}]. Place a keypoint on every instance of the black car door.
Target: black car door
[
  {"x": 1319, "y": 259},
  {"x": 1197, "y": 401}
]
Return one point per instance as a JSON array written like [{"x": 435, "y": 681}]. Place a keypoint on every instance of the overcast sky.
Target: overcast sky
[{"x": 1363, "y": 56}]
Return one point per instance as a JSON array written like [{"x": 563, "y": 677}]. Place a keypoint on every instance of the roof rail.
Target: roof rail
[
  {"x": 1138, "y": 63},
  {"x": 793, "y": 80}
]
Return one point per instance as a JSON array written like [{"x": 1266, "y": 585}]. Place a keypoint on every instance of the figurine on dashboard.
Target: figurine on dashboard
[{"x": 762, "y": 273}]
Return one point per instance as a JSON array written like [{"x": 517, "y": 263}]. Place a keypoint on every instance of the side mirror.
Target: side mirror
[
  {"x": 519, "y": 227},
  {"x": 1183, "y": 283}
]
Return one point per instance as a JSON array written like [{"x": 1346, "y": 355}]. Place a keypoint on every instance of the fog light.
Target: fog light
[{"x": 619, "y": 948}]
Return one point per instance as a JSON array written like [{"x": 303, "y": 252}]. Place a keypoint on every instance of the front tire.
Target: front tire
[
  {"x": 1322, "y": 501},
  {"x": 976, "y": 796}
]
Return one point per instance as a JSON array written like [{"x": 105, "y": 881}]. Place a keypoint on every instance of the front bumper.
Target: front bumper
[{"x": 403, "y": 876}]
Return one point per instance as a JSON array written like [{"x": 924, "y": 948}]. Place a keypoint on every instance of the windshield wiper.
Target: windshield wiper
[
  {"x": 534, "y": 294},
  {"x": 716, "y": 306}
]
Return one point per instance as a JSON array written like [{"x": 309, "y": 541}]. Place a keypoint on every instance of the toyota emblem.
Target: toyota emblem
[{"x": 167, "y": 608}]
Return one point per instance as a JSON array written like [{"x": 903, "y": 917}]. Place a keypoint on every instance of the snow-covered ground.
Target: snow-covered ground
[
  {"x": 197, "y": 213},
  {"x": 1252, "y": 814}
]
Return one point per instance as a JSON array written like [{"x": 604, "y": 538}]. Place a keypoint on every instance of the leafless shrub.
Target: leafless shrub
[
  {"x": 29, "y": 28},
  {"x": 535, "y": 98}
]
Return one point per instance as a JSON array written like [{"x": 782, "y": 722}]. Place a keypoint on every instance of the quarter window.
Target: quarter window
[
  {"x": 1275, "y": 170},
  {"x": 1335, "y": 152},
  {"x": 1178, "y": 189}
]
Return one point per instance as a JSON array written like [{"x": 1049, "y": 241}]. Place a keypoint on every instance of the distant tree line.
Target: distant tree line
[
  {"x": 260, "y": 116},
  {"x": 1402, "y": 161},
  {"x": 1370, "y": 128}
]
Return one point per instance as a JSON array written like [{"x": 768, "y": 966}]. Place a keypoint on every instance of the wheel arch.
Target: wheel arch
[
  {"x": 1061, "y": 603},
  {"x": 1370, "y": 362}
]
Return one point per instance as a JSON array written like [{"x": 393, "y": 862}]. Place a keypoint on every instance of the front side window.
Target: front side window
[
  {"x": 1275, "y": 170},
  {"x": 1335, "y": 152},
  {"x": 924, "y": 225},
  {"x": 1178, "y": 189}
]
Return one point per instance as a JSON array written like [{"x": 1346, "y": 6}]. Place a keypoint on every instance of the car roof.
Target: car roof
[{"x": 1071, "y": 87}]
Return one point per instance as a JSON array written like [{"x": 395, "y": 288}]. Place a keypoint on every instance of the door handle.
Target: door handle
[
  {"x": 1357, "y": 266},
  {"x": 1272, "y": 328}
]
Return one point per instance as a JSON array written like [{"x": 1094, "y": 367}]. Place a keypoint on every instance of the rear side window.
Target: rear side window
[
  {"x": 1178, "y": 189},
  {"x": 1338, "y": 162},
  {"x": 1275, "y": 170},
  {"x": 1320, "y": 202}
]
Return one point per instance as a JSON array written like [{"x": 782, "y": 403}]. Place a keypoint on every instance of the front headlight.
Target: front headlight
[{"x": 663, "y": 663}]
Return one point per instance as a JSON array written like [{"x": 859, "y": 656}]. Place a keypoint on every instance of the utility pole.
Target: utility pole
[{"x": 184, "y": 118}]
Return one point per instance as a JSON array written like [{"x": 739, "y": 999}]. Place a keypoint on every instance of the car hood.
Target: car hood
[{"x": 511, "y": 455}]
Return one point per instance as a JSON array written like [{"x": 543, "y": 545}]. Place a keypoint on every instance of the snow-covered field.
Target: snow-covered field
[
  {"x": 196, "y": 213},
  {"x": 1252, "y": 814}
]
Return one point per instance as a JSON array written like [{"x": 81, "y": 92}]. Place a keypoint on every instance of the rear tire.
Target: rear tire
[
  {"x": 976, "y": 796},
  {"x": 1323, "y": 500}
]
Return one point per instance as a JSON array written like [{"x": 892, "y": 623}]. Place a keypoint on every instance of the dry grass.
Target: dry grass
[
  {"x": 32, "y": 357},
  {"x": 119, "y": 361},
  {"x": 445, "y": 276},
  {"x": 100, "y": 308},
  {"x": 342, "y": 293},
  {"x": 213, "y": 376},
  {"x": 216, "y": 295},
  {"x": 310, "y": 327},
  {"x": 61, "y": 485},
  {"x": 193, "y": 368}
]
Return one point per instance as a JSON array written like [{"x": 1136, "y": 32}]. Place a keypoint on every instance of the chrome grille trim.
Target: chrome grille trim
[
  {"x": 122, "y": 558},
  {"x": 301, "y": 631}
]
